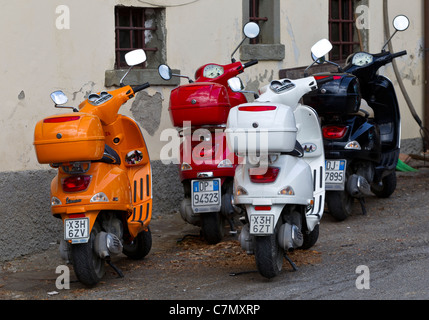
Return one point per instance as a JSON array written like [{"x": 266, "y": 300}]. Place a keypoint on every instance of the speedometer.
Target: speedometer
[
  {"x": 362, "y": 58},
  {"x": 212, "y": 71}
]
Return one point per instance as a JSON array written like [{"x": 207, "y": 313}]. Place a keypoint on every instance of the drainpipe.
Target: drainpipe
[
  {"x": 423, "y": 126},
  {"x": 426, "y": 64}
]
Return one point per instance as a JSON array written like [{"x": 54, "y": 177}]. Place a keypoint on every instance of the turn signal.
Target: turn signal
[
  {"x": 99, "y": 197},
  {"x": 287, "y": 191},
  {"x": 334, "y": 132},
  {"x": 185, "y": 166},
  {"x": 353, "y": 145},
  {"x": 76, "y": 183}
]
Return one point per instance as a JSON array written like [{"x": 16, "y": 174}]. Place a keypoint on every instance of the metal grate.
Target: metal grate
[
  {"x": 342, "y": 29},
  {"x": 130, "y": 32},
  {"x": 254, "y": 16}
]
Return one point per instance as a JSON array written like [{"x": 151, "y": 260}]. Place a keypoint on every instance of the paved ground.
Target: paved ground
[{"x": 392, "y": 242}]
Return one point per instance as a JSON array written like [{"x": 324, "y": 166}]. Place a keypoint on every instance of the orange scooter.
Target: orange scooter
[{"x": 103, "y": 189}]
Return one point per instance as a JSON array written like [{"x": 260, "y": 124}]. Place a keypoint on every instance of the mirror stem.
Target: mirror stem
[
  {"x": 122, "y": 80},
  {"x": 387, "y": 42},
  {"x": 232, "y": 55}
]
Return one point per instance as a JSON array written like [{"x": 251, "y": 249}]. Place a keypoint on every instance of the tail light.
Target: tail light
[
  {"x": 257, "y": 108},
  {"x": 268, "y": 177},
  {"x": 334, "y": 132},
  {"x": 76, "y": 183}
]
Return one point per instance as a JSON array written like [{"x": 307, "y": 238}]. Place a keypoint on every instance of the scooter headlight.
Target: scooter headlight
[{"x": 353, "y": 145}]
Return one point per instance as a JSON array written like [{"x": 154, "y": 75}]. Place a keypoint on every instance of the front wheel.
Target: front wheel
[
  {"x": 88, "y": 266},
  {"x": 310, "y": 238},
  {"x": 339, "y": 204},
  {"x": 268, "y": 256}
]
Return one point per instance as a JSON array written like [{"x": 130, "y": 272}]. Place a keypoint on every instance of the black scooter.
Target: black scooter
[{"x": 361, "y": 126}]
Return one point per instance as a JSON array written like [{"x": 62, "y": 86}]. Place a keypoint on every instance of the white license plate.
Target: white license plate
[
  {"x": 335, "y": 174},
  {"x": 261, "y": 224},
  {"x": 206, "y": 195},
  {"x": 76, "y": 230}
]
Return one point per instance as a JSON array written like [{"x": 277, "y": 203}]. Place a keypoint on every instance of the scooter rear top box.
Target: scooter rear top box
[
  {"x": 337, "y": 94},
  {"x": 202, "y": 103},
  {"x": 69, "y": 137},
  {"x": 261, "y": 127}
]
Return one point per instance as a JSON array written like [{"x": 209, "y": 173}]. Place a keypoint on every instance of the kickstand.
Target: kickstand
[
  {"x": 232, "y": 229},
  {"x": 118, "y": 271},
  {"x": 362, "y": 204},
  {"x": 294, "y": 267}
]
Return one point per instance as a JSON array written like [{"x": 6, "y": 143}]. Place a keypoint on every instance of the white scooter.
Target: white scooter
[{"x": 280, "y": 185}]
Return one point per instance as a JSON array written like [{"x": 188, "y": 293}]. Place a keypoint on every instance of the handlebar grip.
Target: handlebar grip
[
  {"x": 141, "y": 87},
  {"x": 250, "y": 63},
  {"x": 399, "y": 54}
]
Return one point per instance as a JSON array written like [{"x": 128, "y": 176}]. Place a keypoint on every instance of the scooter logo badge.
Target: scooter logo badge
[{"x": 68, "y": 200}]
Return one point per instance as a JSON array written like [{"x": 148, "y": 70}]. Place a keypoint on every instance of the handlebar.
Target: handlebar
[
  {"x": 399, "y": 54},
  {"x": 141, "y": 87},
  {"x": 250, "y": 63}
]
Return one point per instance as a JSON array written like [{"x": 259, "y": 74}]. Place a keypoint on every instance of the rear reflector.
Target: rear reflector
[
  {"x": 257, "y": 108},
  {"x": 262, "y": 208},
  {"x": 76, "y": 183},
  {"x": 268, "y": 177},
  {"x": 334, "y": 132},
  {"x": 61, "y": 119}
]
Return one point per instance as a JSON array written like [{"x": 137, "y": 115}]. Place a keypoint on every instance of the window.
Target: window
[
  {"x": 255, "y": 17},
  {"x": 343, "y": 34},
  {"x": 139, "y": 28},
  {"x": 266, "y": 13},
  {"x": 136, "y": 28}
]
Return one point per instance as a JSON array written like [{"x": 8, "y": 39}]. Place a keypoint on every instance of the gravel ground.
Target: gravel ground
[{"x": 391, "y": 241}]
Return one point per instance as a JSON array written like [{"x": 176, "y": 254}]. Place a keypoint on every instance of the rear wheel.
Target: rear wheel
[
  {"x": 387, "y": 187},
  {"x": 140, "y": 246},
  {"x": 88, "y": 266},
  {"x": 268, "y": 256},
  {"x": 212, "y": 227},
  {"x": 339, "y": 204}
]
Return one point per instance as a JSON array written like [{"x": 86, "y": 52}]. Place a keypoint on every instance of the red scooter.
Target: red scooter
[{"x": 200, "y": 110}]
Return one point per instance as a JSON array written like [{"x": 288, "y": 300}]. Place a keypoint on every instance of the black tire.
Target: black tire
[
  {"x": 268, "y": 256},
  {"x": 212, "y": 227},
  {"x": 88, "y": 267},
  {"x": 387, "y": 188},
  {"x": 340, "y": 204},
  {"x": 140, "y": 247},
  {"x": 310, "y": 239}
]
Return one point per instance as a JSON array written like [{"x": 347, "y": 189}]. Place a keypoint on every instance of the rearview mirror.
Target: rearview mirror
[
  {"x": 235, "y": 84},
  {"x": 165, "y": 72},
  {"x": 59, "y": 97},
  {"x": 401, "y": 23},
  {"x": 251, "y": 30},
  {"x": 135, "y": 57},
  {"x": 320, "y": 49}
]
